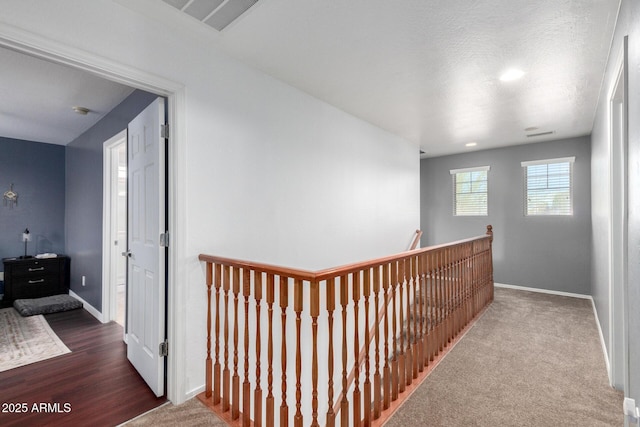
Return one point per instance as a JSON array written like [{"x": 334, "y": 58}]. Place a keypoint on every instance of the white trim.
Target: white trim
[
  {"x": 35, "y": 45},
  {"x": 91, "y": 309},
  {"x": 32, "y": 44},
  {"x": 194, "y": 392},
  {"x": 603, "y": 344},
  {"x": 107, "y": 216},
  {"x": 476, "y": 169},
  {"x": 548, "y": 161},
  {"x": 542, "y": 291},
  {"x": 617, "y": 226}
]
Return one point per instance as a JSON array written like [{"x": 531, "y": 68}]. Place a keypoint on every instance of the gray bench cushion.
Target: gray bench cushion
[{"x": 45, "y": 305}]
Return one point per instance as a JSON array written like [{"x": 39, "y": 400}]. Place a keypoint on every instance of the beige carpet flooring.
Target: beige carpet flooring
[
  {"x": 531, "y": 360},
  {"x": 192, "y": 413}
]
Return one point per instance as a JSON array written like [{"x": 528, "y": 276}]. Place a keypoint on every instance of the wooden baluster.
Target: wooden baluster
[
  {"x": 402, "y": 368},
  {"x": 331, "y": 306},
  {"x": 284, "y": 303},
  {"x": 422, "y": 272},
  {"x": 246, "y": 385},
  {"x": 270, "y": 399},
  {"x": 450, "y": 293},
  {"x": 439, "y": 301},
  {"x": 366, "y": 291},
  {"x": 409, "y": 351},
  {"x": 356, "y": 350},
  {"x": 460, "y": 256},
  {"x": 216, "y": 365},
  {"x": 454, "y": 296},
  {"x": 430, "y": 306},
  {"x": 454, "y": 323},
  {"x": 445, "y": 330},
  {"x": 257, "y": 394},
  {"x": 235, "y": 381},
  {"x": 208, "y": 387},
  {"x": 298, "y": 304},
  {"x": 344, "y": 300},
  {"x": 416, "y": 316},
  {"x": 465, "y": 284},
  {"x": 394, "y": 331},
  {"x": 428, "y": 302},
  {"x": 314, "y": 309},
  {"x": 387, "y": 369},
  {"x": 225, "y": 372},
  {"x": 377, "y": 383},
  {"x": 454, "y": 251},
  {"x": 447, "y": 298}
]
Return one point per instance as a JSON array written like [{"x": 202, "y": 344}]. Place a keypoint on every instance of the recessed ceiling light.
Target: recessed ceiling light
[
  {"x": 511, "y": 75},
  {"x": 471, "y": 144},
  {"x": 81, "y": 110}
]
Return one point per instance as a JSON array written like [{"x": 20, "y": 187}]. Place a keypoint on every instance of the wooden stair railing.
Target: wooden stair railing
[
  {"x": 428, "y": 296},
  {"x": 371, "y": 333}
]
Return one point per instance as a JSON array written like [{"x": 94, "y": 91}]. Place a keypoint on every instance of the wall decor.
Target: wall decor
[{"x": 10, "y": 197}]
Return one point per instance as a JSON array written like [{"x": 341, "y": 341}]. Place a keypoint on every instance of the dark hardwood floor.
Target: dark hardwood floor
[{"x": 93, "y": 385}]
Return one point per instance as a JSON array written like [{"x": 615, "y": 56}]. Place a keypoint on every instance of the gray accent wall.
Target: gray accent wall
[
  {"x": 545, "y": 252},
  {"x": 84, "y": 172},
  {"x": 37, "y": 171},
  {"x": 628, "y": 24}
]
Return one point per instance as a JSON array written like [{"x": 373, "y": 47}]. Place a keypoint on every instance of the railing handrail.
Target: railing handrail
[
  {"x": 320, "y": 275},
  {"x": 416, "y": 240}
]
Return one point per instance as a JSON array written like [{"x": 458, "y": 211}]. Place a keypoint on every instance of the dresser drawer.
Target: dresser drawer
[
  {"x": 35, "y": 286},
  {"x": 38, "y": 268}
]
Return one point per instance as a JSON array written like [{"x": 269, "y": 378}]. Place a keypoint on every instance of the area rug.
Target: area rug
[{"x": 25, "y": 340}]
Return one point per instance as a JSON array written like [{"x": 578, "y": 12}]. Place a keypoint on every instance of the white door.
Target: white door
[{"x": 146, "y": 265}]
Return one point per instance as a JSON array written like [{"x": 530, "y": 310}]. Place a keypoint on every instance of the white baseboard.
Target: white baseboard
[
  {"x": 602, "y": 342},
  {"x": 91, "y": 309},
  {"x": 568, "y": 294},
  {"x": 542, "y": 291},
  {"x": 193, "y": 393}
]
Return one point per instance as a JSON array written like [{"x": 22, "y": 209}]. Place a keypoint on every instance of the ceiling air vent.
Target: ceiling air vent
[{"x": 217, "y": 14}]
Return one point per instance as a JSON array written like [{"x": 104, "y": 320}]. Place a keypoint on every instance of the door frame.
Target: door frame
[
  {"x": 618, "y": 223},
  {"x": 46, "y": 48},
  {"x": 109, "y": 252}
]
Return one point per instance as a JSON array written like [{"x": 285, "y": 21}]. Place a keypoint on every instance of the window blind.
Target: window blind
[
  {"x": 470, "y": 191},
  {"x": 549, "y": 186}
]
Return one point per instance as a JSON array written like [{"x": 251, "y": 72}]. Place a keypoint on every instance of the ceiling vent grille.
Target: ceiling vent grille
[{"x": 217, "y": 14}]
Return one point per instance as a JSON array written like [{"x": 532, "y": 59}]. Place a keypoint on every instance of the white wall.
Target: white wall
[{"x": 269, "y": 173}]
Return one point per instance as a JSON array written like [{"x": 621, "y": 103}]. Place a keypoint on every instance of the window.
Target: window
[
  {"x": 548, "y": 186},
  {"x": 470, "y": 191}
]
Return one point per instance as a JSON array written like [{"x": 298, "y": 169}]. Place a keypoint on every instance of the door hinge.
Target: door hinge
[
  {"x": 164, "y": 131},
  {"x": 164, "y": 348},
  {"x": 164, "y": 239}
]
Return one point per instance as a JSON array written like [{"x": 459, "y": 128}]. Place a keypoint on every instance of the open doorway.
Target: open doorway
[
  {"x": 59, "y": 52},
  {"x": 115, "y": 226}
]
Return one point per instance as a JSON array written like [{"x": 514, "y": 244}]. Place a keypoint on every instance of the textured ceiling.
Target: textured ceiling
[
  {"x": 428, "y": 70},
  {"x": 37, "y": 96}
]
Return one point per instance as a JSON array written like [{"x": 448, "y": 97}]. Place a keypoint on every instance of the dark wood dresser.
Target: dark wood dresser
[{"x": 35, "y": 277}]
